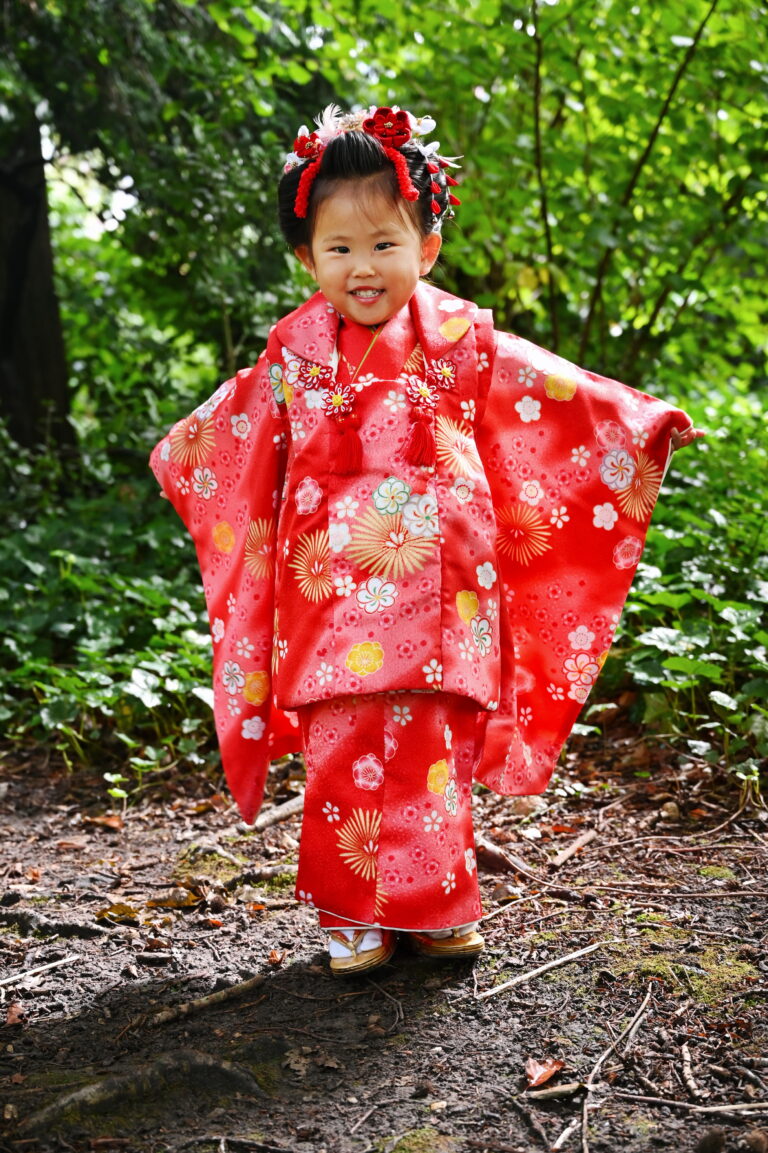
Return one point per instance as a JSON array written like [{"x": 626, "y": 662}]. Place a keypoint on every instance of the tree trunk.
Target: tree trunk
[{"x": 34, "y": 399}]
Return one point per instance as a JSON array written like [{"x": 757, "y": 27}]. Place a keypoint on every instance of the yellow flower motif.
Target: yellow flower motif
[
  {"x": 560, "y": 388},
  {"x": 365, "y": 658},
  {"x": 467, "y": 605},
  {"x": 223, "y": 536},
  {"x": 256, "y": 689},
  {"x": 454, "y": 328},
  {"x": 289, "y": 391},
  {"x": 438, "y": 777}
]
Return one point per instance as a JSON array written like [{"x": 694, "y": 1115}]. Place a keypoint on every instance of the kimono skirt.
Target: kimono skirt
[{"x": 387, "y": 830}]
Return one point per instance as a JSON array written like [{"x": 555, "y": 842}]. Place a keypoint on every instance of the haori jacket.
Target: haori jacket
[{"x": 497, "y": 571}]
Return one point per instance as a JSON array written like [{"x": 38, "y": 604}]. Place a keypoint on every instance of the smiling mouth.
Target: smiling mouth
[{"x": 366, "y": 293}]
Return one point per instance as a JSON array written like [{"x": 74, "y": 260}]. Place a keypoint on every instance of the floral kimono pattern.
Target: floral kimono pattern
[{"x": 495, "y": 575}]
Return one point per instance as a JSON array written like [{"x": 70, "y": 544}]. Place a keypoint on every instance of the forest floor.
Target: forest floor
[{"x": 162, "y": 991}]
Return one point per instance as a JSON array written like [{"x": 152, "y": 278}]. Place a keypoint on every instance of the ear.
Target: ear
[
  {"x": 430, "y": 249},
  {"x": 304, "y": 253}
]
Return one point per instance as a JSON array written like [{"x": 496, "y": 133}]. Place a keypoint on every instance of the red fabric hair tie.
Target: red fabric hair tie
[
  {"x": 404, "y": 182},
  {"x": 301, "y": 204}
]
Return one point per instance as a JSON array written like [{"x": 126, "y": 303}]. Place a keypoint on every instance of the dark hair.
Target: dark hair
[{"x": 358, "y": 156}]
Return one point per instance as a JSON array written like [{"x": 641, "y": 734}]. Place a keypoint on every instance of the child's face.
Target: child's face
[{"x": 365, "y": 255}]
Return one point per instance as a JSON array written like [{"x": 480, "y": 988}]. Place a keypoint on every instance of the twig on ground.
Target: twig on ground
[
  {"x": 529, "y": 1118},
  {"x": 572, "y": 1126},
  {"x": 688, "y": 1078},
  {"x": 573, "y": 848},
  {"x": 19, "y": 978},
  {"x": 523, "y": 977},
  {"x": 274, "y": 815},
  {"x": 379, "y": 1104},
  {"x": 754, "y": 1107},
  {"x": 175, "y": 1012}
]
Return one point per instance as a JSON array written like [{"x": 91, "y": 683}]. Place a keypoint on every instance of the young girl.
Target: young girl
[{"x": 416, "y": 535}]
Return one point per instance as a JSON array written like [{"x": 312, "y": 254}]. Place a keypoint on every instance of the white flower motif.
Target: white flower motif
[
  {"x": 468, "y": 410},
  {"x": 375, "y": 595},
  {"x": 462, "y": 489},
  {"x": 581, "y": 668},
  {"x": 347, "y": 507},
  {"x": 559, "y": 516},
  {"x": 394, "y": 401},
  {"x": 232, "y": 676},
  {"x": 556, "y": 692},
  {"x": 486, "y": 575},
  {"x": 306, "y": 898},
  {"x": 482, "y": 361},
  {"x": 617, "y": 469},
  {"x": 527, "y": 377},
  {"x": 605, "y": 516},
  {"x": 344, "y": 586},
  {"x": 531, "y": 492},
  {"x": 466, "y": 650},
  {"x": 433, "y": 672},
  {"x": 470, "y": 864},
  {"x": 580, "y": 455},
  {"x": 324, "y": 674},
  {"x": 401, "y": 714},
  {"x": 244, "y": 647},
  {"x": 233, "y": 707},
  {"x": 450, "y": 305},
  {"x": 448, "y": 736},
  {"x": 368, "y": 772},
  {"x": 241, "y": 425},
  {"x": 313, "y": 398},
  {"x": 420, "y": 516},
  {"x": 451, "y": 798},
  {"x": 231, "y": 603},
  {"x": 339, "y": 536},
  {"x": 204, "y": 482},
  {"x": 282, "y": 650},
  {"x": 640, "y": 436},
  {"x": 217, "y": 630},
  {"x": 449, "y": 884},
  {"x": 391, "y": 495},
  {"x": 529, "y": 409},
  {"x": 165, "y": 451},
  {"x": 182, "y": 484},
  {"x": 481, "y": 635},
  {"x": 525, "y": 716},
  {"x": 253, "y": 729},
  {"x": 331, "y": 812},
  {"x": 432, "y": 822},
  {"x": 581, "y": 638},
  {"x": 492, "y": 611}
]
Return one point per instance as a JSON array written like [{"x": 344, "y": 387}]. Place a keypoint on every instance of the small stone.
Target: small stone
[
  {"x": 670, "y": 811},
  {"x": 713, "y": 1141}
]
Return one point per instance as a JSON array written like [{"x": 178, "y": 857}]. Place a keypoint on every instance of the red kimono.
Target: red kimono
[{"x": 489, "y": 583}]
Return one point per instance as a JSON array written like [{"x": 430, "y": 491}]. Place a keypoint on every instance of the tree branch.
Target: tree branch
[
  {"x": 634, "y": 178},
  {"x": 540, "y": 176}
]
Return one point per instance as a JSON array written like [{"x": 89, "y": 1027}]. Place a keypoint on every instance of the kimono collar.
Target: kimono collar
[{"x": 440, "y": 320}]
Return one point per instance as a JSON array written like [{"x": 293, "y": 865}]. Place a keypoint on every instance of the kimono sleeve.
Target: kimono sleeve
[
  {"x": 222, "y": 469},
  {"x": 575, "y": 462}
]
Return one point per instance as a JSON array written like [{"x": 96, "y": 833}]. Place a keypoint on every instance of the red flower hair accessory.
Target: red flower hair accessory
[{"x": 392, "y": 127}]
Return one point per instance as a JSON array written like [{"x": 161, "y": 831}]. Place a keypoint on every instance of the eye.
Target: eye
[
  {"x": 340, "y": 248},
  {"x": 384, "y": 244}
]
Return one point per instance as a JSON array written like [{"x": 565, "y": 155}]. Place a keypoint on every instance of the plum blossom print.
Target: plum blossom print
[
  {"x": 391, "y": 495},
  {"x": 617, "y": 469},
  {"x": 462, "y": 489},
  {"x": 486, "y": 575},
  {"x": 559, "y": 516},
  {"x": 253, "y": 729},
  {"x": 401, "y": 714},
  {"x": 449, "y": 884},
  {"x": 580, "y": 455},
  {"x": 204, "y": 482},
  {"x": 344, "y": 586},
  {"x": 482, "y": 635},
  {"x": 339, "y": 536},
  {"x": 627, "y": 552},
  {"x": 433, "y": 672},
  {"x": 432, "y": 821},
  {"x": 528, "y": 409},
  {"x": 241, "y": 425},
  {"x": 375, "y": 595},
  {"x": 451, "y": 798},
  {"x": 470, "y": 863},
  {"x": 581, "y": 669},
  {"x": 581, "y": 638},
  {"x": 609, "y": 434},
  {"x": 365, "y": 658},
  {"x": 217, "y": 630},
  {"x": 232, "y": 677},
  {"x": 331, "y": 812},
  {"x": 604, "y": 516},
  {"x": 531, "y": 492},
  {"x": 368, "y": 772},
  {"x": 420, "y": 516}
]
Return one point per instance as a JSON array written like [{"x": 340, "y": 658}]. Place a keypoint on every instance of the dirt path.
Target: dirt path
[{"x": 654, "y": 1037}]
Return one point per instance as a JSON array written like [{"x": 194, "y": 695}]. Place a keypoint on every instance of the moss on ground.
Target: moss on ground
[
  {"x": 426, "y": 1140},
  {"x": 717, "y": 872}
]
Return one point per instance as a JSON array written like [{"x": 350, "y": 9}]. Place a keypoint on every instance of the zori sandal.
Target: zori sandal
[
  {"x": 463, "y": 941},
  {"x": 357, "y": 950}
]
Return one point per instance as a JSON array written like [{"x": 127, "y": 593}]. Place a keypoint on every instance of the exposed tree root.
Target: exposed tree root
[
  {"x": 183, "y": 1069},
  {"x": 34, "y": 923}
]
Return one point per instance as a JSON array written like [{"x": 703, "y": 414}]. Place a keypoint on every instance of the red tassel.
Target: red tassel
[
  {"x": 436, "y": 208},
  {"x": 436, "y": 188},
  {"x": 450, "y": 180},
  {"x": 433, "y": 168},
  {"x": 349, "y": 457},
  {"x": 454, "y": 199},
  {"x": 420, "y": 448}
]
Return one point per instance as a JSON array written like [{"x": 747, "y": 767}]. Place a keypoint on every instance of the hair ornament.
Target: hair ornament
[{"x": 392, "y": 127}]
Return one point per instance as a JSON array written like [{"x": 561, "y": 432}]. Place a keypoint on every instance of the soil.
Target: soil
[{"x": 642, "y": 865}]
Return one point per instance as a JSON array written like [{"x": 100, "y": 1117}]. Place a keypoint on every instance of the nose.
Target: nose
[{"x": 363, "y": 267}]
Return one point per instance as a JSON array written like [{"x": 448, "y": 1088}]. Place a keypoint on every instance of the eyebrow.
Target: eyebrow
[{"x": 340, "y": 236}]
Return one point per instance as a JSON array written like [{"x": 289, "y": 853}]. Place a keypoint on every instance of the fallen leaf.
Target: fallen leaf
[
  {"x": 111, "y": 821},
  {"x": 119, "y": 914},
  {"x": 178, "y": 899},
  {"x": 15, "y": 1014},
  {"x": 255, "y": 907},
  {"x": 212, "y": 922},
  {"x": 73, "y": 843},
  {"x": 32, "y": 874},
  {"x": 539, "y": 1072},
  {"x": 214, "y": 804},
  {"x": 18, "y": 1078},
  {"x": 275, "y": 957}
]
